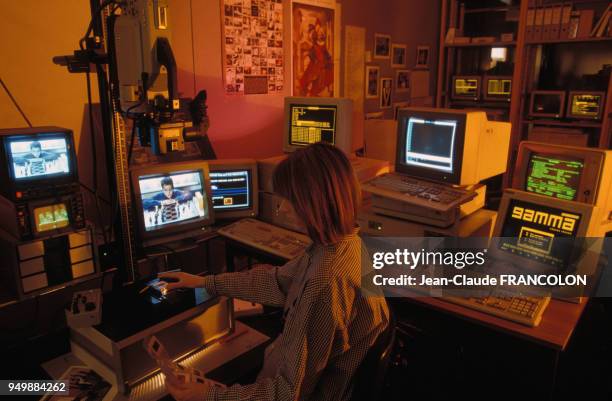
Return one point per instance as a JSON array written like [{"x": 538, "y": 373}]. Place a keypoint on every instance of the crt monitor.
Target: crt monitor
[
  {"x": 39, "y": 162},
  {"x": 234, "y": 186},
  {"x": 172, "y": 201},
  {"x": 585, "y": 105},
  {"x": 466, "y": 87},
  {"x": 497, "y": 88},
  {"x": 448, "y": 145},
  {"x": 318, "y": 119},
  {"x": 535, "y": 231},
  {"x": 575, "y": 173},
  {"x": 547, "y": 104}
]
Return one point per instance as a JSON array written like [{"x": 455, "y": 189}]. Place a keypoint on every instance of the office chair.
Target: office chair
[{"x": 370, "y": 375}]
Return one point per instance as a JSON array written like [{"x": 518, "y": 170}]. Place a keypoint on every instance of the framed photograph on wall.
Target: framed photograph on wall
[
  {"x": 422, "y": 57},
  {"x": 402, "y": 81},
  {"x": 386, "y": 86},
  {"x": 382, "y": 46},
  {"x": 398, "y": 55},
  {"x": 372, "y": 75},
  {"x": 315, "y": 48}
]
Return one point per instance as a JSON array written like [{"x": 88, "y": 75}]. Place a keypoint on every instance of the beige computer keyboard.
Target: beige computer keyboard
[
  {"x": 267, "y": 237},
  {"x": 527, "y": 310}
]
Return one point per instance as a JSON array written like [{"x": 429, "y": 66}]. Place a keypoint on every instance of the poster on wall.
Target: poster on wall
[
  {"x": 253, "y": 46},
  {"x": 315, "y": 48}
]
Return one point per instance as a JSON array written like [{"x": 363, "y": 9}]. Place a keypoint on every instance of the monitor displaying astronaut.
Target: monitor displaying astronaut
[
  {"x": 39, "y": 158},
  {"x": 172, "y": 198}
]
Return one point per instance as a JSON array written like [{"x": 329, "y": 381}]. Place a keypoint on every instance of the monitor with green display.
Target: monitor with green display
[{"x": 554, "y": 175}]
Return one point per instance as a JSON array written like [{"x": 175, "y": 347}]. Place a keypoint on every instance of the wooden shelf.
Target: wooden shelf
[
  {"x": 491, "y": 44},
  {"x": 556, "y": 123},
  {"x": 569, "y": 40}
]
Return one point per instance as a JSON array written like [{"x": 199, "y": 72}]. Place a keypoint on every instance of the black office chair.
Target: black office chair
[{"x": 370, "y": 375}]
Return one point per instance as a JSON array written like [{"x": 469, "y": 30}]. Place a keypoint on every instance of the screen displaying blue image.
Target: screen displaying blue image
[
  {"x": 230, "y": 189},
  {"x": 173, "y": 198},
  {"x": 39, "y": 158}
]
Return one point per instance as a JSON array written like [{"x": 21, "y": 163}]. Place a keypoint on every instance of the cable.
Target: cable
[{"x": 15, "y": 103}]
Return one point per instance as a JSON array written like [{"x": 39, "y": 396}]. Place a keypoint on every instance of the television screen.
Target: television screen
[
  {"x": 554, "y": 176},
  {"x": 587, "y": 105},
  {"x": 466, "y": 87},
  {"x": 540, "y": 233},
  {"x": 430, "y": 143},
  {"x": 173, "y": 198},
  {"x": 499, "y": 87},
  {"x": 38, "y": 158},
  {"x": 547, "y": 104},
  {"x": 310, "y": 124},
  {"x": 231, "y": 190},
  {"x": 50, "y": 217}
]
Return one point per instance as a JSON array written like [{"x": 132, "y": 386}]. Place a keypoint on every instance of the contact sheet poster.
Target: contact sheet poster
[{"x": 253, "y": 46}]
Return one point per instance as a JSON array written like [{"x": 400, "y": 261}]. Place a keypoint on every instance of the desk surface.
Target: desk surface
[{"x": 555, "y": 330}]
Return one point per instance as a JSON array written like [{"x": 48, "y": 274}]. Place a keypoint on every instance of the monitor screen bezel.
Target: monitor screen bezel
[
  {"x": 238, "y": 165},
  {"x": 39, "y": 133},
  {"x": 456, "y": 96},
  {"x": 593, "y": 160},
  {"x": 175, "y": 231},
  {"x": 423, "y": 172},
  {"x": 585, "y": 211},
  {"x": 561, "y": 95},
  {"x": 485, "y": 88},
  {"x": 570, "y": 101}
]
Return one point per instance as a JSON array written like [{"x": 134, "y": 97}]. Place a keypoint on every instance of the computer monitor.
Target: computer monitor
[
  {"x": 585, "y": 105},
  {"x": 318, "y": 119},
  {"x": 172, "y": 201},
  {"x": 547, "y": 104},
  {"x": 566, "y": 172},
  {"x": 466, "y": 87},
  {"x": 536, "y": 232},
  {"x": 497, "y": 88},
  {"x": 234, "y": 188},
  {"x": 39, "y": 162},
  {"x": 448, "y": 145}
]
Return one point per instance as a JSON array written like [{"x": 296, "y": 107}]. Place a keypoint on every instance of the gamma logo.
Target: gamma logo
[{"x": 563, "y": 221}]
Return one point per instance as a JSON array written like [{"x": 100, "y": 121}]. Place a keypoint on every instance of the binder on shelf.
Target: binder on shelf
[
  {"x": 555, "y": 26},
  {"x": 586, "y": 23},
  {"x": 530, "y": 21},
  {"x": 566, "y": 14},
  {"x": 602, "y": 23},
  {"x": 573, "y": 25},
  {"x": 547, "y": 23},
  {"x": 537, "y": 24}
]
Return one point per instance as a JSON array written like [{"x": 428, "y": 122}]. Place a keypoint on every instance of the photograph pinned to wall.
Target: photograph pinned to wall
[
  {"x": 422, "y": 57},
  {"x": 402, "y": 81},
  {"x": 397, "y": 106},
  {"x": 386, "y": 85},
  {"x": 398, "y": 55},
  {"x": 382, "y": 46},
  {"x": 372, "y": 76},
  {"x": 315, "y": 49},
  {"x": 252, "y": 34}
]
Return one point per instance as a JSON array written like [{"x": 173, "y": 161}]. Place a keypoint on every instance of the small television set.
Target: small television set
[
  {"x": 497, "y": 88},
  {"x": 234, "y": 186},
  {"x": 172, "y": 201},
  {"x": 549, "y": 104},
  {"x": 585, "y": 105},
  {"x": 541, "y": 233},
  {"x": 310, "y": 120},
  {"x": 39, "y": 162},
  {"x": 575, "y": 173},
  {"x": 466, "y": 87},
  {"x": 448, "y": 145}
]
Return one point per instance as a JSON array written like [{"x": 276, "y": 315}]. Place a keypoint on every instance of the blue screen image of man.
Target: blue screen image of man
[
  {"x": 35, "y": 162},
  {"x": 166, "y": 203}
]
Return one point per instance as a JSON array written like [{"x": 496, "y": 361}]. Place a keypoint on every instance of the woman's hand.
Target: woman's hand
[{"x": 181, "y": 280}]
